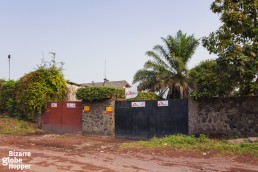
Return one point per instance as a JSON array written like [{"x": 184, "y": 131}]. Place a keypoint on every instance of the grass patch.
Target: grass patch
[
  {"x": 15, "y": 126},
  {"x": 197, "y": 143}
]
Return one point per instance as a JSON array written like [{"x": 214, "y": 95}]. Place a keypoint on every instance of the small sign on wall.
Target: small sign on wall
[
  {"x": 71, "y": 105},
  {"x": 109, "y": 110},
  {"x": 162, "y": 103},
  {"x": 86, "y": 109},
  {"x": 54, "y": 105},
  {"x": 138, "y": 104}
]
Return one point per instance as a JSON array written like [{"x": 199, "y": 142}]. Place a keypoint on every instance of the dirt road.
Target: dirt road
[{"x": 79, "y": 153}]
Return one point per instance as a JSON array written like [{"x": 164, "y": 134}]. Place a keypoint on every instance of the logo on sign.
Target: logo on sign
[
  {"x": 138, "y": 104},
  {"x": 131, "y": 92},
  {"x": 54, "y": 105},
  {"x": 162, "y": 103}
]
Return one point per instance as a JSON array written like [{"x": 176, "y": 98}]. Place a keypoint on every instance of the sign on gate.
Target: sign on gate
[
  {"x": 54, "y": 105},
  {"x": 71, "y": 105},
  {"x": 138, "y": 104},
  {"x": 151, "y": 121},
  {"x": 162, "y": 103}
]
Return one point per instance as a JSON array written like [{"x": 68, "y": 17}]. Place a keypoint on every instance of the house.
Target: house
[
  {"x": 106, "y": 83},
  {"x": 73, "y": 87}
]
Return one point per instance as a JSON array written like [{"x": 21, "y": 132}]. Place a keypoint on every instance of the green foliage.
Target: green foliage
[
  {"x": 146, "y": 96},
  {"x": 197, "y": 143},
  {"x": 205, "y": 81},
  {"x": 18, "y": 127},
  {"x": 7, "y": 97},
  {"x": 36, "y": 88},
  {"x": 167, "y": 71},
  {"x": 28, "y": 96},
  {"x": 1, "y": 82},
  {"x": 254, "y": 87},
  {"x": 102, "y": 93},
  {"x": 99, "y": 93},
  {"x": 236, "y": 44}
]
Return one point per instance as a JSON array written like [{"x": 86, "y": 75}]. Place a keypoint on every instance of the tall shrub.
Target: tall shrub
[
  {"x": 7, "y": 97},
  {"x": 36, "y": 88}
]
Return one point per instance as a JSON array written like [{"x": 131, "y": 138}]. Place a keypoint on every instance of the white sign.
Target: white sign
[
  {"x": 131, "y": 92},
  {"x": 138, "y": 104},
  {"x": 71, "y": 105},
  {"x": 54, "y": 105},
  {"x": 163, "y": 103}
]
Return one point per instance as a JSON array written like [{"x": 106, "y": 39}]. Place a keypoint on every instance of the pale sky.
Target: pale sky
[{"x": 85, "y": 33}]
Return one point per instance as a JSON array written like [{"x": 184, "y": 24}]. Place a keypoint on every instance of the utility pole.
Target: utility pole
[
  {"x": 105, "y": 79},
  {"x": 9, "y": 59}
]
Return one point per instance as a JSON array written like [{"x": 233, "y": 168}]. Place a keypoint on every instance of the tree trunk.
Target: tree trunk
[
  {"x": 38, "y": 120},
  {"x": 181, "y": 92}
]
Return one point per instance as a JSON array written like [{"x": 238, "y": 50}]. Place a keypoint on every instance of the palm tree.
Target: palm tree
[{"x": 167, "y": 72}]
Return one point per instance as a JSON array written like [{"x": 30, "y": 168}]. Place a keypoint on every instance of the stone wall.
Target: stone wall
[
  {"x": 96, "y": 121},
  {"x": 234, "y": 116}
]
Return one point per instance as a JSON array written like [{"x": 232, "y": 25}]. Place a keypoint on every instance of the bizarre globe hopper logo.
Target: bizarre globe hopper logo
[{"x": 14, "y": 160}]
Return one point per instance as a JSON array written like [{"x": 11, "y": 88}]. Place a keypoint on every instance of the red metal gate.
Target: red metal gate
[{"x": 63, "y": 117}]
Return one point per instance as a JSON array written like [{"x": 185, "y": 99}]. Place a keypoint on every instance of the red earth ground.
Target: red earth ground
[{"x": 79, "y": 153}]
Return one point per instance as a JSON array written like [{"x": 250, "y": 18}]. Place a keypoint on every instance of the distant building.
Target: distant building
[
  {"x": 106, "y": 83},
  {"x": 73, "y": 87}
]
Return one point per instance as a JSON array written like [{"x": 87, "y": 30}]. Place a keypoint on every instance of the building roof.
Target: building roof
[
  {"x": 73, "y": 83},
  {"x": 113, "y": 84}
]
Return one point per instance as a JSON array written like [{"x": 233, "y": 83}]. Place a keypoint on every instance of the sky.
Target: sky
[{"x": 86, "y": 33}]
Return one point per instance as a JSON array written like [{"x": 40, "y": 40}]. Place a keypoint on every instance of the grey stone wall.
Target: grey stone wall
[
  {"x": 234, "y": 116},
  {"x": 96, "y": 121}
]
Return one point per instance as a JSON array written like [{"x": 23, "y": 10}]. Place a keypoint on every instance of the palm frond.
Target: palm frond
[
  {"x": 159, "y": 60},
  {"x": 167, "y": 71}
]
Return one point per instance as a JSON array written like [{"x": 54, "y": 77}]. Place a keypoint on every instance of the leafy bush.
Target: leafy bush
[
  {"x": 205, "y": 82},
  {"x": 7, "y": 97},
  {"x": 99, "y": 93},
  {"x": 146, "y": 96},
  {"x": 36, "y": 88}
]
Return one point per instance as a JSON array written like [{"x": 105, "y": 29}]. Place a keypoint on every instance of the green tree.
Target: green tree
[
  {"x": 7, "y": 97},
  {"x": 1, "y": 82},
  {"x": 236, "y": 43},
  {"x": 167, "y": 71},
  {"x": 36, "y": 88},
  {"x": 205, "y": 82}
]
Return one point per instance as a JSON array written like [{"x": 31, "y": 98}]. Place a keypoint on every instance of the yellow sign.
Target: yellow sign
[
  {"x": 109, "y": 110},
  {"x": 86, "y": 109}
]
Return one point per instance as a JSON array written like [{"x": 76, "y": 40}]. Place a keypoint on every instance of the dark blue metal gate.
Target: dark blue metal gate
[{"x": 151, "y": 120}]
